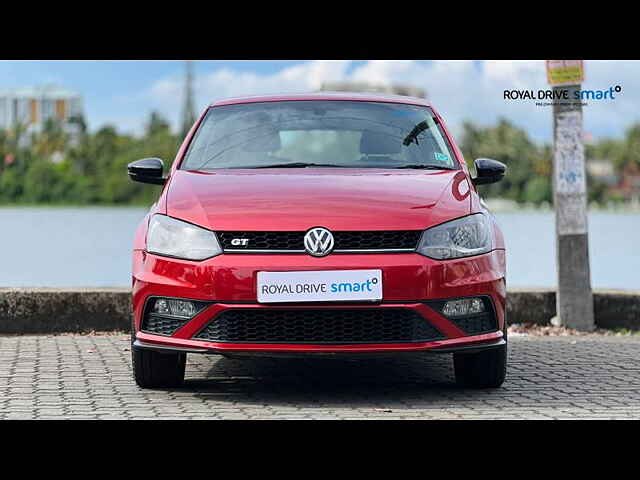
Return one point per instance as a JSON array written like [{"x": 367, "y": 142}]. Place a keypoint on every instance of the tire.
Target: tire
[
  {"x": 485, "y": 369},
  {"x": 155, "y": 369},
  {"x": 158, "y": 370}
]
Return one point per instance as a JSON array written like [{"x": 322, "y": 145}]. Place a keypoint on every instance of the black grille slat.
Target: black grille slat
[
  {"x": 319, "y": 326},
  {"x": 477, "y": 324},
  {"x": 344, "y": 240},
  {"x": 264, "y": 240},
  {"x": 389, "y": 239},
  {"x": 161, "y": 325}
]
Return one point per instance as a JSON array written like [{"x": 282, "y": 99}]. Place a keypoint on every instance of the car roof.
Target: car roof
[{"x": 346, "y": 96}]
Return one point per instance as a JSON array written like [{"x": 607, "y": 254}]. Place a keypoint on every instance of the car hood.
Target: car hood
[{"x": 338, "y": 199}]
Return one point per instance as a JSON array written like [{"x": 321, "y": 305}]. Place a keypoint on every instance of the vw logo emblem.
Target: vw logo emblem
[{"x": 318, "y": 242}]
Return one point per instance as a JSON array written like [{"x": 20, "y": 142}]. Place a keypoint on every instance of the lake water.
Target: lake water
[{"x": 90, "y": 247}]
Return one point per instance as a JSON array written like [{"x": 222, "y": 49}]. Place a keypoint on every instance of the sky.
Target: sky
[{"x": 124, "y": 93}]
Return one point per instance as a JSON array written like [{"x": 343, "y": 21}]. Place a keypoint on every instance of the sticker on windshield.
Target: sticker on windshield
[{"x": 441, "y": 157}]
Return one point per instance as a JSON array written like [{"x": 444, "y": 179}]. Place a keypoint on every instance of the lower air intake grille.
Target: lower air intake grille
[
  {"x": 319, "y": 326},
  {"x": 161, "y": 325},
  {"x": 477, "y": 324}
]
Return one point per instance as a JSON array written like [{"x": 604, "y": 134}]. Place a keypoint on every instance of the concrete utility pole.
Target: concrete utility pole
[
  {"x": 574, "y": 300},
  {"x": 188, "y": 111}
]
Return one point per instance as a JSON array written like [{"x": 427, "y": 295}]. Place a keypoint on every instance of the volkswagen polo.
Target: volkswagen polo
[{"x": 319, "y": 224}]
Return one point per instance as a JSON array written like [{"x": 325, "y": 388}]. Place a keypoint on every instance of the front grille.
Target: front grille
[
  {"x": 263, "y": 240},
  {"x": 343, "y": 240},
  {"x": 319, "y": 326},
  {"x": 391, "y": 239}
]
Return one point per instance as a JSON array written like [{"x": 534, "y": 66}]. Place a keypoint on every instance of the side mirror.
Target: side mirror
[
  {"x": 147, "y": 170},
  {"x": 488, "y": 171}
]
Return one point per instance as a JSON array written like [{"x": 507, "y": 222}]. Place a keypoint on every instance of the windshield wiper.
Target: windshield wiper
[
  {"x": 294, "y": 165},
  {"x": 426, "y": 167}
]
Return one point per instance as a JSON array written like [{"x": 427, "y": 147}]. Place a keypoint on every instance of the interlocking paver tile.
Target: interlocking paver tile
[{"x": 47, "y": 377}]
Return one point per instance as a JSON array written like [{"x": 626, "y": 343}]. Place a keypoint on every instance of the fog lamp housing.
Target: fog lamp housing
[
  {"x": 173, "y": 307},
  {"x": 472, "y": 315},
  {"x": 164, "y": 316},
  {"x": 463, "y": 307}
]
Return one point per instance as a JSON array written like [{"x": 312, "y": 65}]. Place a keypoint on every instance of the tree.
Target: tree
[
  {"x": 51, "y": 139},
  {"x": 510, "y": 145},
  {"x": 157, "y": 125},
  {"x": 630, "y": 152}
]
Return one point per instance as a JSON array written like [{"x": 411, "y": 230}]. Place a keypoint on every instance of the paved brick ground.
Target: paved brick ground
[{"x": 89, "y": 377}]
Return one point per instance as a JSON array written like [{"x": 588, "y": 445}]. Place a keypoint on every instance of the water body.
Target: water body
[{"x": 90, "y": 247}]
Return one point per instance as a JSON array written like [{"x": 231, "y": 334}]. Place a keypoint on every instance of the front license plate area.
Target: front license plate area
[{"x": 319, "y": 286}]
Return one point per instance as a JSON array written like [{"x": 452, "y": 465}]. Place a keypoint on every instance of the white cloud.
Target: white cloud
[
  {"x": 167, "y": 94},
  {"x": 459, "y": 89}
]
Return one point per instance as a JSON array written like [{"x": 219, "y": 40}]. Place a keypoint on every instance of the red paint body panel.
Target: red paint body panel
[
  {"x": 282, "y": 199},
  {"x": 405, "y": 276},
  {"x": 230, "y": 281},
  {"x": 337, "y": 199},
  {"x": 360, "y": 348}
]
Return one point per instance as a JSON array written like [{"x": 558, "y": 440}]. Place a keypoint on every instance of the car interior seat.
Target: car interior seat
[{"x": 378, "y": 147}]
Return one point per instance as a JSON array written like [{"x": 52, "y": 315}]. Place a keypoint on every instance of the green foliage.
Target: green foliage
[
  {"x": 54, "y": 169},
  {"x": 630, "y": 152},
  {"x": 538, "y": 190},
  {"x": 511, "y": 146},
  {"x": 11, "y": 186}
]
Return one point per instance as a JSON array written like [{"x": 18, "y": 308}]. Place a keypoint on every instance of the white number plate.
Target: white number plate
[{"x": 320, "y": 286}]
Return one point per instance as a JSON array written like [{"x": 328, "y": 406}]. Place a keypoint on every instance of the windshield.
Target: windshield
[{"x": 319, "y": 133}]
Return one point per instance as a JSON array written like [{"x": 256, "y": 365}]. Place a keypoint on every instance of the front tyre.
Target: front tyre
[
  {"x": 486, "y": 369},
  {"x": 157, "y": 370}
]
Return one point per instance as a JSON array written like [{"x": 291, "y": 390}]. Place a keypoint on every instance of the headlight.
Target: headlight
[
  {"x": 462, "y": 237},
  {"x": 171, "y": 237}
]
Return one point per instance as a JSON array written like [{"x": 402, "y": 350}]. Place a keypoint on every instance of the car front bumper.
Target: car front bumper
[{"x": 228, "y": 282}]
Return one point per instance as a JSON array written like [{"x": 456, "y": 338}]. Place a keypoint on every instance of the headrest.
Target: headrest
[
  {"x": 378, "y": 143},
  {"x": 268, "y": 141}
]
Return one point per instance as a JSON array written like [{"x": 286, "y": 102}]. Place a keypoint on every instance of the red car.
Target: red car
[{"x": 318, "y": 224}]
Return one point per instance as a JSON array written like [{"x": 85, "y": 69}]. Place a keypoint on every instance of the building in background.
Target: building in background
[
  {"x": 604, "y": 171},
  {"x": 374, "y": 88},
  {"x": 30, "y": 108}
]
